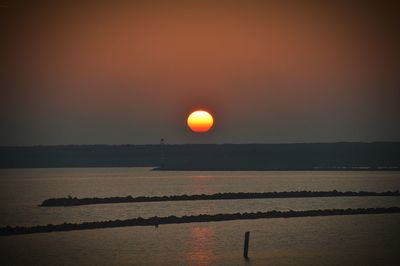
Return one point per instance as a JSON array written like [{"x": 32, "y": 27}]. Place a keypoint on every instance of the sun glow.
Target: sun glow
[{"x": 200, "y": 121}]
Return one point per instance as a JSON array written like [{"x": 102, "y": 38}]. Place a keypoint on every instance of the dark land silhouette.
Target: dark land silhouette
[
  {"x": 73, "y": 201},
  {"x": 315, "y": 156},
  {"x": 156, "y": 221}
]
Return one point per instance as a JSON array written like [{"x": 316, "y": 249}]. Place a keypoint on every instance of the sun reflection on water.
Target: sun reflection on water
[{"x": 201, "y": 250}]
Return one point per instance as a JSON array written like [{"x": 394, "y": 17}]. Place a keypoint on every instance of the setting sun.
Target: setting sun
[{"x": 200, "y": 121}]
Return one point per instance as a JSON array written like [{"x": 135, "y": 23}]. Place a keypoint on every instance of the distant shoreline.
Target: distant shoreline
[
  {"x": 73, "y": 201},
  {"x": 351, "y": 156},
  {"x": 156, "y": 169},
  {"x": 156, "y": 221},
  {"x": 278, "y": 170}
]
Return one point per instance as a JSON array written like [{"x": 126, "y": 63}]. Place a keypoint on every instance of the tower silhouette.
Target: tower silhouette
[{"x": 162, "y": 150}]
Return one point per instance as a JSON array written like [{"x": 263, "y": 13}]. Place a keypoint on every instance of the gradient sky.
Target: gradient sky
[{"x": 118, "y": 73}]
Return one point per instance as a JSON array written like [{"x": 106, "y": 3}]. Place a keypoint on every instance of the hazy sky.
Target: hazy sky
[{"x": 130, "y": 73}]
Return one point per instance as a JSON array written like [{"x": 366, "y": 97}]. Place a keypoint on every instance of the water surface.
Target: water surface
[{"x": 350, "y": 240}]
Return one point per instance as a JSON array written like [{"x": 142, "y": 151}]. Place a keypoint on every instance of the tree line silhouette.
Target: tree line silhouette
[{"x": 305, "y": 156}]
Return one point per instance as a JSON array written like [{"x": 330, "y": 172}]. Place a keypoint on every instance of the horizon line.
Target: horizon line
[{"x": 156, "y": 144}]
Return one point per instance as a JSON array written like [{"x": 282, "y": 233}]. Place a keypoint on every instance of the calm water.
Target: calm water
[{"x": 368, "y": 239}]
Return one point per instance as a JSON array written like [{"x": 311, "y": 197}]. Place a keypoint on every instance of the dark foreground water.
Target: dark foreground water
[{"x": 341, "y": 240}]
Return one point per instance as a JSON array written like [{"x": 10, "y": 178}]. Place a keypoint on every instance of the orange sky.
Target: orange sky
[{"x": 129, "y": 73}]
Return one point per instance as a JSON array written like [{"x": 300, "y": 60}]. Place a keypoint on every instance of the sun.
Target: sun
[{"x": 200, "y": 121}]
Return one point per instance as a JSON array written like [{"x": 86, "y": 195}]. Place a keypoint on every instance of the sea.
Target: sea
[{"x": 334, "y": 240}]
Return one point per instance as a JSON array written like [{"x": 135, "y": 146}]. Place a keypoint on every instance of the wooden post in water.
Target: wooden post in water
[{"x": 246, "y": 244}]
